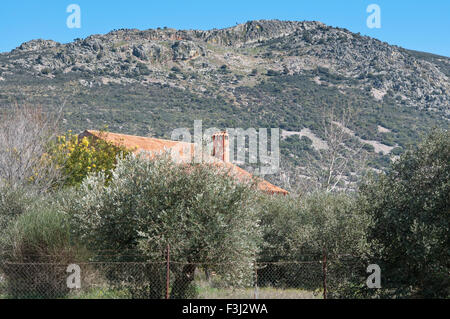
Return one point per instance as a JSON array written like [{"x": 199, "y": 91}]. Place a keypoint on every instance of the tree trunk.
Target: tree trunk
[{"x": 182, "y": 283}]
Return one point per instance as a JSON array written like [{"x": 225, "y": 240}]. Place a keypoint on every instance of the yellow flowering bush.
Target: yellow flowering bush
[{"x": 80, "y": 157}]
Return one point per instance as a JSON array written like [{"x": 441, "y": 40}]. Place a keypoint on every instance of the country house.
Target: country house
[{"x": 184, "y": 152}]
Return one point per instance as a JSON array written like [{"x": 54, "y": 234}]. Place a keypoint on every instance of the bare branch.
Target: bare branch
[{"x": 25, "y": 135}]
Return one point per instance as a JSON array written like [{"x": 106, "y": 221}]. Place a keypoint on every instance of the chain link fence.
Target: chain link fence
[{"x": 178, "y": 280}]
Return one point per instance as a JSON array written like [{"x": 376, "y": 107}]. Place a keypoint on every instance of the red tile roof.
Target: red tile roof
[{"x": 185, "y": 152}]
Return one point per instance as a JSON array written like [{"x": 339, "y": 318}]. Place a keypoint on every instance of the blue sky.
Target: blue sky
[{"x": 413, "y": 24}]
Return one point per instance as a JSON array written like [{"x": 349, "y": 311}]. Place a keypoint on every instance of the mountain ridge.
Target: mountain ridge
[
  {"x": 305, "y": 45},
  {"x": 265, "y": 73}
]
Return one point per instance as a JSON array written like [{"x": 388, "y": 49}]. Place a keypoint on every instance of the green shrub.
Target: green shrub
[
  {"x": 397, "y": 151},
  {"x": 272, "y": 73},
  {"x": 46, "y": 71},
  {"x": 369, "y": 148},
  {"x": 35, "y": 251},
  {"x": 13, "y": 203}
]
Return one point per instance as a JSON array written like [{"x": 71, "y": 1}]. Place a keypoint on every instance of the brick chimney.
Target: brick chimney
[{"x": 221, "y": 146}]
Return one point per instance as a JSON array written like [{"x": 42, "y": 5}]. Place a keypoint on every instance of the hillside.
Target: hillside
[{"x": 258, "y": 74}]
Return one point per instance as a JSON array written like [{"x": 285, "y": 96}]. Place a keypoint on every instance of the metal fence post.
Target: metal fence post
[
  {"x": 324, "y": 269},
  {"x": 256, "y": 281},
  {"x": 168, "y": 272}
]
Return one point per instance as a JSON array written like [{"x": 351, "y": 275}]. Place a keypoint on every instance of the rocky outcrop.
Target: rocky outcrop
[
  {"x": 186, "y": 50},
  {"x": 224, "y": 56},
  {"x": 35, "y": 45}
]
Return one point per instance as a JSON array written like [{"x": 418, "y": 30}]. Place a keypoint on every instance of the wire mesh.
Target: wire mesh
[{"x": 178, "y": 280}]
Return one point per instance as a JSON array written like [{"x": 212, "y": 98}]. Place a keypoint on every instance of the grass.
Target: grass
[
  {"x": 212, "y": 290},
  {"x": 250, "y": 293},
  {"x": 204, "y": 292},
  {"x": 101, "y": 293}
]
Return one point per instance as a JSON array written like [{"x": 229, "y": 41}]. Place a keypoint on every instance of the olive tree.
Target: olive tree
[
  {"x": 312, "y": 224},
  {"x": 410, "y": 209},
  {"x": 200, "y": 211},
  {"x": 308, "y": 229}
]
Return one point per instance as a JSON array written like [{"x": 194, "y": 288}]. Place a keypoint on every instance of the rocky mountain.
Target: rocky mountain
[{"x": 258, "y": 74}]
